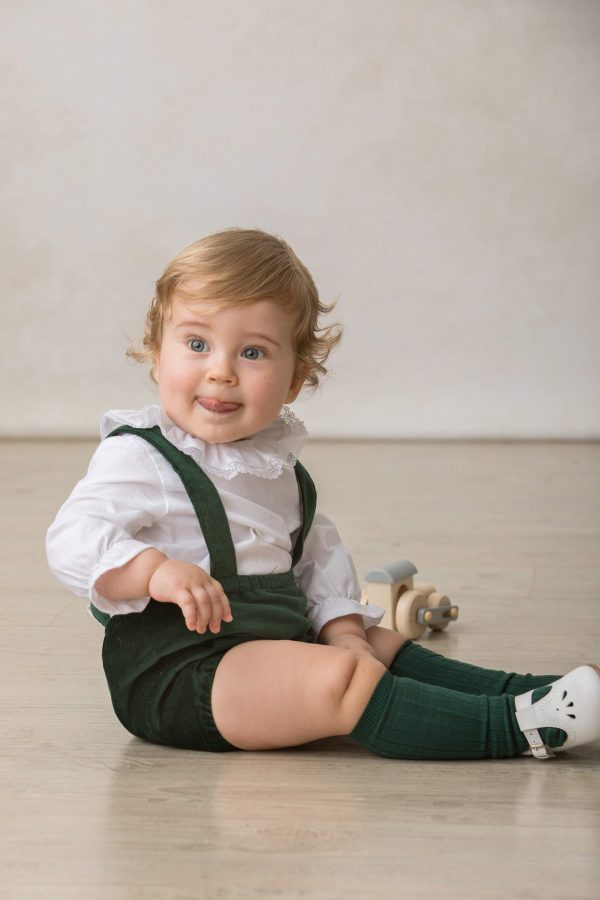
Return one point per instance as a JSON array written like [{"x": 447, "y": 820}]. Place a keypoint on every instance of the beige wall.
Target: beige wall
[{"x": 436, "y": 164}]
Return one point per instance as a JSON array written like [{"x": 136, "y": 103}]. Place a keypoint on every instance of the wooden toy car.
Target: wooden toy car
[{"x": 409, "y": 608}]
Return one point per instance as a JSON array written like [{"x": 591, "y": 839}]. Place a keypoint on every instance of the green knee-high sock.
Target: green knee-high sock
[
  {"x": 414, "y": 661},
  {"x": 406, "y": 719}
]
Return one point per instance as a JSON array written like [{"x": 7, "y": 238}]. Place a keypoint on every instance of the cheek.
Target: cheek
[
  {"x": 265, "y": 390},
  {"x": 173, "y": 378}
]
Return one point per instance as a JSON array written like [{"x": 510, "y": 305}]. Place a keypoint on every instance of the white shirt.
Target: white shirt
[{"x": 132, "y": 499}]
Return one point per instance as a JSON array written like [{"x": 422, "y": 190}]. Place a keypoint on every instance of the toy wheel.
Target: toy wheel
[
  {"x": 437, "y": 599},
  {"x": 409, "y": 604},
  {"x": 425, "y": 589}
]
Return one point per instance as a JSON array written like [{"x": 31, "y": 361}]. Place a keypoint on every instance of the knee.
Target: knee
[
  {"x": 385, "y": 643},
  {"x": 352, "y": 680}
]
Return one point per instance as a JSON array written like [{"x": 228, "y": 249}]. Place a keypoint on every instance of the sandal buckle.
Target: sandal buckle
[{"x": 537, "y": 746}]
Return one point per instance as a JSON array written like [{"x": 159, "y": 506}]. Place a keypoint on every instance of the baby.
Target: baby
[{"x": 231, "y": 608}]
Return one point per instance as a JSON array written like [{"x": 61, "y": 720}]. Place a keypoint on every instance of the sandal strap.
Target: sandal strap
[
  {"x": 537, "y": 746},
  {"x": 527, "y": 723}
]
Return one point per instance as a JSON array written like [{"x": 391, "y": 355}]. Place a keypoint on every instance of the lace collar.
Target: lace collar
[{"x": 267, "y": 454}]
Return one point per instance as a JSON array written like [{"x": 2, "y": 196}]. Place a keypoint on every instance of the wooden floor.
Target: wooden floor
[{"x": 511, "y": 531}]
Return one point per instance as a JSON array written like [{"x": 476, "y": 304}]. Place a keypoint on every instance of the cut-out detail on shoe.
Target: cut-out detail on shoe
[{"x": 565, "y": 696}]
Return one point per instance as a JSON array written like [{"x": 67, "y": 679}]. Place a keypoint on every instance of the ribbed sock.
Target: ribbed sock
[
  {"x": 414, "y": 661},
  {"x": 406, "y": 719}
]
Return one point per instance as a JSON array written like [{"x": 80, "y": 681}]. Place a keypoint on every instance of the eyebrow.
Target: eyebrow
[
  {"x": 264, "y": 337},
  {"x": 202, "y": 326},
  {"x": 193, "y": 323}
]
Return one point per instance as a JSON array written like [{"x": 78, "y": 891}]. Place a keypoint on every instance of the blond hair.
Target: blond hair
[{"x": 242, "y": 266}]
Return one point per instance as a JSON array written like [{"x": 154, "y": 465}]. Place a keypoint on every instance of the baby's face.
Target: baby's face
[{"x": 224, "y": 375}]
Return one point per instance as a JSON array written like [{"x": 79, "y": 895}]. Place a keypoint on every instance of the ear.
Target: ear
[{"x": 297, "y": 384}]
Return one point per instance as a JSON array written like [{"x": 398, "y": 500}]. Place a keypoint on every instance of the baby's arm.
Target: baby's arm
[
  {"x": 201, "y": 598},
  {"x": 99, "y": 544}
]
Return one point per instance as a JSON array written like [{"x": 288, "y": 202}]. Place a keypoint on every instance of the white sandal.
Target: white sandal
[{"x": 572, "y": 703}]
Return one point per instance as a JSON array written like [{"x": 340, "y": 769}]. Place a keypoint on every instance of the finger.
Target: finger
[
  {"x": 227, "y": 615},
  {"x": 186, "y": 602},
  {"x": 203, "y": 607},
  {"x": 214, "y": 624},
  {"x": 219, "y": 597},
  {"x": 221, "y": 609},
  {"x": 208, "y": 603}
]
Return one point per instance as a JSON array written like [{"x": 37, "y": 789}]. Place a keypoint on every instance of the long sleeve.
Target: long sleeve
[
  {"x": 101, "y": 525},
  {"x": 327, "y": 576}
]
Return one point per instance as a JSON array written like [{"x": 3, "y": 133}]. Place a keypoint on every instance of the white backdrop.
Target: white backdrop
[{"x": 435, "y": 164}]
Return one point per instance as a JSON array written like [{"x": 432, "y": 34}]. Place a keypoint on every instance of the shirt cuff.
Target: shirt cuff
[{"x": 118, "y": 555}]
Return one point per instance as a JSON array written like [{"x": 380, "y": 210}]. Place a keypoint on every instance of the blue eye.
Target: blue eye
[
  {"x": 253, "y": 353},
  {"x": 197, "y": 345}
]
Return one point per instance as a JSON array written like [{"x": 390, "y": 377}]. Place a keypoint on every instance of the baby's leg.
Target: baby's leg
[
  {"x": 422, "y": 664},
  {"x": 405, "y": 658},
  {"x": 272, "y": 694},
  {"x": 385, "y": 643}
]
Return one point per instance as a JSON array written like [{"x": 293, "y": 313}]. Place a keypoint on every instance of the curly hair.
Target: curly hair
[{"x": 242, "y": 266}]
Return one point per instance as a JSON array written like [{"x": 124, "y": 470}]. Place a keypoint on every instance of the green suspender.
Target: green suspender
[{"x": 308, "y": 495}]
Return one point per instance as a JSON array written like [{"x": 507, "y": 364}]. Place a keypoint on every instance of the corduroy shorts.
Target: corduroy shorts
[{"x": 160, "y": 674}]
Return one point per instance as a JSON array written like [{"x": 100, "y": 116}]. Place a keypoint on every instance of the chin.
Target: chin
[{"x": 217, "y": 437}]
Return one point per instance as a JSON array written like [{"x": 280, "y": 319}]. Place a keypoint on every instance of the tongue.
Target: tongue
[{"x": 218, "y": 406}]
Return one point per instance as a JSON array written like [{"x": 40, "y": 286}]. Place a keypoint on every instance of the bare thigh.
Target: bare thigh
[{"x": 272, "y": 694}]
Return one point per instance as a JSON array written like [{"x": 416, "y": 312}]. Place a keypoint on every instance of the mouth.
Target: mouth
[{"x": 217, "y": 406}]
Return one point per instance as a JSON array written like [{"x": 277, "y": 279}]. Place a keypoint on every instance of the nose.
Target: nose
[{"x": 221, "y": 370}]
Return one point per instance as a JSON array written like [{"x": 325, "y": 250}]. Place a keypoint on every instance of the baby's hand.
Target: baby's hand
[{"x": 201, "y": 598}]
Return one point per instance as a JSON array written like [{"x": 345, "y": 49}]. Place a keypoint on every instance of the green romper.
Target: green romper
[{"x": 159, "y": 673}]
